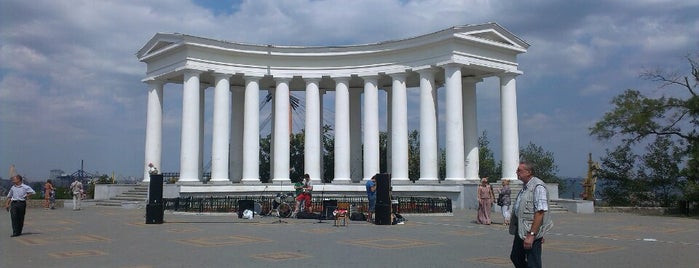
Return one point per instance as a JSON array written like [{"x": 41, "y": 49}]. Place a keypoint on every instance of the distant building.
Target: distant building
[{"x": 55, "y": 173}]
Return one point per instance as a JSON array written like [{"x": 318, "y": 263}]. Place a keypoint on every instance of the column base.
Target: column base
[
  {"x": 251, "y": 181},
  {"x": 226, "y": 182}
]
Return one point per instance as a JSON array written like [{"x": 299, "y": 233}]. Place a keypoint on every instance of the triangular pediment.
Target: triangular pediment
[
  {"x": 159, "y": 42},
  {"x": 493, "y": 33},
  {"x": 493, "y": 36},
  {"x": 159, "y": 45}
]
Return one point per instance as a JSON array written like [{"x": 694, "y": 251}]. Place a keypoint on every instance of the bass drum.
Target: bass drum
[
  {"x": 257, "y": 208},
  {"x": 284, "y": 210}
]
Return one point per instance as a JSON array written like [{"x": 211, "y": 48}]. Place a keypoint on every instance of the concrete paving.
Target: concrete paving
[{"x": 117, "y": 237}]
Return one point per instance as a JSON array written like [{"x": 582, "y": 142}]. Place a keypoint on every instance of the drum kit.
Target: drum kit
[{"x": 283, "y": 205}]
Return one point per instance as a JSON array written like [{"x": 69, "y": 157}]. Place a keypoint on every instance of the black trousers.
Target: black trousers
[
  {"x": 17, "y": 211},
  {"x": 523, "y": 258}
]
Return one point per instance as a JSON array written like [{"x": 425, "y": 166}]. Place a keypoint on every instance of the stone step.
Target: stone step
[
  {"x": 128, "y": 198},
  {"x": 108, "y": 204},
  {"x": 137, "y": 191},
  {"x": 132, "y": 195}
]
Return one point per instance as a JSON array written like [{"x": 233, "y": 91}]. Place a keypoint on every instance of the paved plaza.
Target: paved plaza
[{"x": 117, "y": 237}]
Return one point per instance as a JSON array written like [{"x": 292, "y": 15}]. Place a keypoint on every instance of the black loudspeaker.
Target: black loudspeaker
[
  {"x": 155, "y": 189},
  {"x": 328, "y": 207},
  {"x": 243, "y": 205},
  {"x": 382, "y": 216},
  {"x": 154, "y": 213},
  {"x": 383, "y": 189}
]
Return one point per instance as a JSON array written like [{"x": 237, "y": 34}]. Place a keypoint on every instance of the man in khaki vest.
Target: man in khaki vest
[{"x": 530, "y": 219}]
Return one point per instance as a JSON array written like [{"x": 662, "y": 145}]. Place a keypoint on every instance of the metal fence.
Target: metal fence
[{"x": 406, "y": 205}]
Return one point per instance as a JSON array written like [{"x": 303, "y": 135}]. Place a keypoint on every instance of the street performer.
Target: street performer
[{"x": 305, "y": 195}]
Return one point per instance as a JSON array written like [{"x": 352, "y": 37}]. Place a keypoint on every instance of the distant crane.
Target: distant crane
[{"x": 81, "y": 175}]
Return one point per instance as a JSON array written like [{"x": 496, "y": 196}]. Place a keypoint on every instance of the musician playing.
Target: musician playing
[{"x": 305, "y": 195}]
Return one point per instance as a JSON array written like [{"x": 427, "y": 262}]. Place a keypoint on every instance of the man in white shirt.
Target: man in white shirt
[
  {"x": 17, "y": 203},
  {"x": 77, "y": 189}
]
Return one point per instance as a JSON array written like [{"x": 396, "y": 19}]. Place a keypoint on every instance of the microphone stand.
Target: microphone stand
[{"x": 261, "y": 195}]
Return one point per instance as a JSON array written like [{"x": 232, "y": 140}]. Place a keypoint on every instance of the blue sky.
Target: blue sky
[{"x": 70, "y": 82}]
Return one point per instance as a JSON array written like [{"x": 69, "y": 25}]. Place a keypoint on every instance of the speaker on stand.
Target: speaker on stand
[
  {"x": 155, "y": 208},
  {"x": 382, "y": 215}
]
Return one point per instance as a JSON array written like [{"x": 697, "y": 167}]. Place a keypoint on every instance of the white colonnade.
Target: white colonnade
[{"x": 356, "y": 74}]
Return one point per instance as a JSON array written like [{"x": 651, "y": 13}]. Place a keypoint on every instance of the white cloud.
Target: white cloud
[
  {"x": 20, "y": 58},
  {"x": 17, "y": 89}
]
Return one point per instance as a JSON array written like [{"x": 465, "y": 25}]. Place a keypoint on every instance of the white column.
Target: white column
[
  {"x": 355, "y": 107},
  {"x": 470, "y": 127},
  {"x": 154, "y": 127},
  {"x": 399, "y": 129},
  {"x": 389, "y": 125},
  {"x": 371, "y": 127},
  {"x": 281, "y": 130},
  {"x": 321, "y": 152},
  {"x": 221, "y": 128},
  {"x": 251, "y": 131},
  {"x": 342, "y": 131},
  {"x": 189, "y": 144},
  {"x": 510, "y": 132},
  {"x": 202, "y": 106},
  {"x": 429, "y": 151},
  {"x": 237, "y": 148},
  {"x": 311, "y": 156},
  {"x": 454, "y": 123}
]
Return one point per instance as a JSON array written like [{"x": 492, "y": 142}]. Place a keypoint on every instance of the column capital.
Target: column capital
[
  {"x": 218, "y": 75},
  {"x": 312, "y": 79},
  {"x": 471, "y": 79},
  {"x": 398, "y": 76},
  {"x": 192, "y": 72},
  {"x": 509, "y": 74},
  {"x": 157, "y": 83},
  {"x": 425, "y": 71},
  {"x": 249, "y": 78},
  {"x": 450, "y": 65},
  {"x": 282, "y": 79},
  {"x": 340, "y": 79},
  {"x": 370, "y": 78}
]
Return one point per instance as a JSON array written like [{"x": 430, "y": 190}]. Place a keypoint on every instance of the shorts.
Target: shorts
[{"x": 372, "y": 203}]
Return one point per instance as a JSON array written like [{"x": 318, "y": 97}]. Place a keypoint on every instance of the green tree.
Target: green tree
[
  {"x": 328, "y": 154},
  {"x": 414, "y": 155},
  {"x": 617, "y": 169},
  {"x": 544, "y": 163},
  {"x": 661, "y": 170},
  {"x": 442, "y": 164},
  {"x": 296, "y": 156},
  {"x": 265, "y": 158},
  {"x": 383, "y": 151},
  {"x": 635, "y": 118},
  {"x": 488, "y": 167}
]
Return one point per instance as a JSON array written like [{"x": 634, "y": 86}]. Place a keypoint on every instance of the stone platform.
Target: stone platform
[{"x": 115, "y": 237}]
